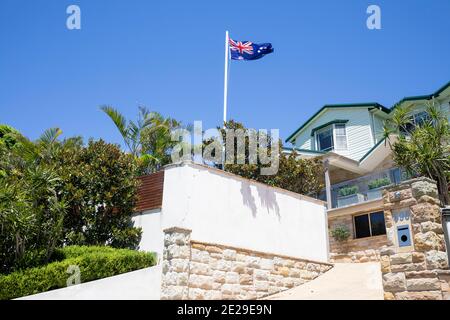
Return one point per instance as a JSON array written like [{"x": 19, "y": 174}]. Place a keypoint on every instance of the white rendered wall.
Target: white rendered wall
[
  {"x": 152, "y": 237},
  {"x": 226, "y": 209},
  {"x": 144, "y": 284}
]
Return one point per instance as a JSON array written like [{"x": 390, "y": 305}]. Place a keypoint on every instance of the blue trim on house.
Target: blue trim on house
[
  {"x": 422, "y": 97},
  {"x": 326, "y": 125},
  {"x": 334, "y": 106},
  {"x": 369, "y": 105},
  {"x": 304, "y": 150},
  {"x": 371, "y": 150}
]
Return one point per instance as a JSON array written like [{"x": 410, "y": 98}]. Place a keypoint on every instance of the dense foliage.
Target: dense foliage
[
  {"x": 148, "y": 139},
  {"x": 31, "y": 210},
  {"x": 303, "y": 176},
  {"x": 422, "y": 148},
  {"x": 100, "y": 191},
  {"x": 93, "y": 263},
  {"x": 54, "y": 193}
]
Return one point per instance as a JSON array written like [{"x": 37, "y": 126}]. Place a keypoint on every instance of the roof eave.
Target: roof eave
[{"x": 334, "y": 106}]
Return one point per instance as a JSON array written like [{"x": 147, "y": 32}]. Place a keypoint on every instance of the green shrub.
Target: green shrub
[
  {"x": 340, "y": 233},
  {"x": 76, "y": 251},
  {"x": 62, "y": 192},
  {"x": 94, "y": 263},
  {"x": 378, "y": 183},
  {"x": 347, "y": 191},
  {"x": 100, "y": 188},
  {"x": 304, "y": 176}
]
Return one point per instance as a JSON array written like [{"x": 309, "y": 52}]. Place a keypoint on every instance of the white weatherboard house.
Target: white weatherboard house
[{"x": 349, "y": 138}]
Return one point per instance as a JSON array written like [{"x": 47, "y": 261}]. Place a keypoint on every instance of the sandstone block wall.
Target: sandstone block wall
[
  {"x": 197, "y": 270},
  {"x": 353, "y": 250},
  {"x": 419, "y": 272}
]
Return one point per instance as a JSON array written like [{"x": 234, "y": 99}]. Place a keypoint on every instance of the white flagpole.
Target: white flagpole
[
  {"x": 225, "y": 90},
  {"x": 225, "y": 85}
]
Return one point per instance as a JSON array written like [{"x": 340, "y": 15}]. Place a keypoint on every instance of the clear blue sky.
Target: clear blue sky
[{"x": 168, "y": 55}]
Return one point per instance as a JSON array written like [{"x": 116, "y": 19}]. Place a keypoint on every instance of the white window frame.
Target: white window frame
[
  {"x": 316, "y": 137},
  {"x": 333, "y": 129},
  {"x": 334, "y": 137}
]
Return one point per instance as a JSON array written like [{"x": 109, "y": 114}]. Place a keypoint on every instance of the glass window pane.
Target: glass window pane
[
  {"x": 397, "y": 175},
  {"x": 420, "y": 118},
  {"x": 341, "y": 139},
  {"x": 325, "y": 140},
  {"x": 377, "y": 223},
  {"x": 362, "y": 228},
  {"x": 340, "y": 129}
]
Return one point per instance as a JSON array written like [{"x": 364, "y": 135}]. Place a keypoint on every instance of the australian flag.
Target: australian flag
[{"x": 246, "y": 50}]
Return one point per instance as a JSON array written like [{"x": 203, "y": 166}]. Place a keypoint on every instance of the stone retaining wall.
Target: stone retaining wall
[
  {"x": 420, "y": 271},
  {"x": 197, "y": 270}
]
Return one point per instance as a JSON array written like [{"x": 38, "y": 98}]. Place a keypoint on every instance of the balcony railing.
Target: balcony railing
[{"x": 362, "y": 189}]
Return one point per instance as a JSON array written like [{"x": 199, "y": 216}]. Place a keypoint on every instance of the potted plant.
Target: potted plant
[
  {"x": 340, "y": 233},
  {"x": 375, "y": 187},
  {"x": 349, "y": 195}
]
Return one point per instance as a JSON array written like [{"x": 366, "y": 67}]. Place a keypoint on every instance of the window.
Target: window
[
  {"x": 332, "y": 137},
  {"x": 325, "y": 139},
  {"x": 362, "y": 226},
  {"x": 416, "y": 119},
  {"x": 369, "y": 225},
  {"x": 421, "y": 118},
  {"x": 341, "y": 136}
]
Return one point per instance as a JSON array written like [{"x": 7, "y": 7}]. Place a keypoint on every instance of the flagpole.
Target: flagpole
[
  {"x": 225, "y": 90},
  {"x": 225, "y": 86}
]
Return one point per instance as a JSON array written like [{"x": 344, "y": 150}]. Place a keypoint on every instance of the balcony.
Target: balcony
[{"x": 362, "y": 189}]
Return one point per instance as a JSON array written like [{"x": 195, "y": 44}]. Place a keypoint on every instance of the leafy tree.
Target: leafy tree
[
  {"x": 31, "y": 212},
  {"x": 422, "y": 148},
  {"x": 8, "y": 136},
  {"x": 100, "y": 188},
  {"x": 130, "y": 130},
  {"x": 304, "y": 176},
  {"x": 148, "y": 139},
  {"x": 61, "y": 192}
]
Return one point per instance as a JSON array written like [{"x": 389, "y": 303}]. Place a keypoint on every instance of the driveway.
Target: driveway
[{"x": 345, "y": 281}]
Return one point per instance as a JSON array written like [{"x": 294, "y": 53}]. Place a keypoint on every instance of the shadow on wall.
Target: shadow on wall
[
  {"x": 266, "y": 193},
  {"x": 267, "y": 198}
]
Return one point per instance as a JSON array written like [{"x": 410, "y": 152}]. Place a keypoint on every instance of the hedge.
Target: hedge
[{"x": 94, "y": 263}]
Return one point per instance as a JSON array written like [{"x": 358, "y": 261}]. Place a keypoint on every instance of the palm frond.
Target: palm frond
[
  {"x": 50, "y": 135},
  {"x": 118, "y": 119}
]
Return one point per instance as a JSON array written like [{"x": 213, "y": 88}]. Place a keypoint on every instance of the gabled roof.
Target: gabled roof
[
  {"x": 326, "y": 125},
  {"x": 369, "y": 105},
  {"x": 423, "y": 97}
]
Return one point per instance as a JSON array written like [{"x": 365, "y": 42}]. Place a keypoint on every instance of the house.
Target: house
[{"x": 358, "y": 161}]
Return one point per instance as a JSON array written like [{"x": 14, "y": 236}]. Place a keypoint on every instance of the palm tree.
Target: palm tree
[
  {"x": 31, "y": 211},
  {"x": 157, "y": 140},
  {"x": 149, "y": 139},
  {"x": 422, "y": 148},
  {"x": 130, "y": 131}
]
